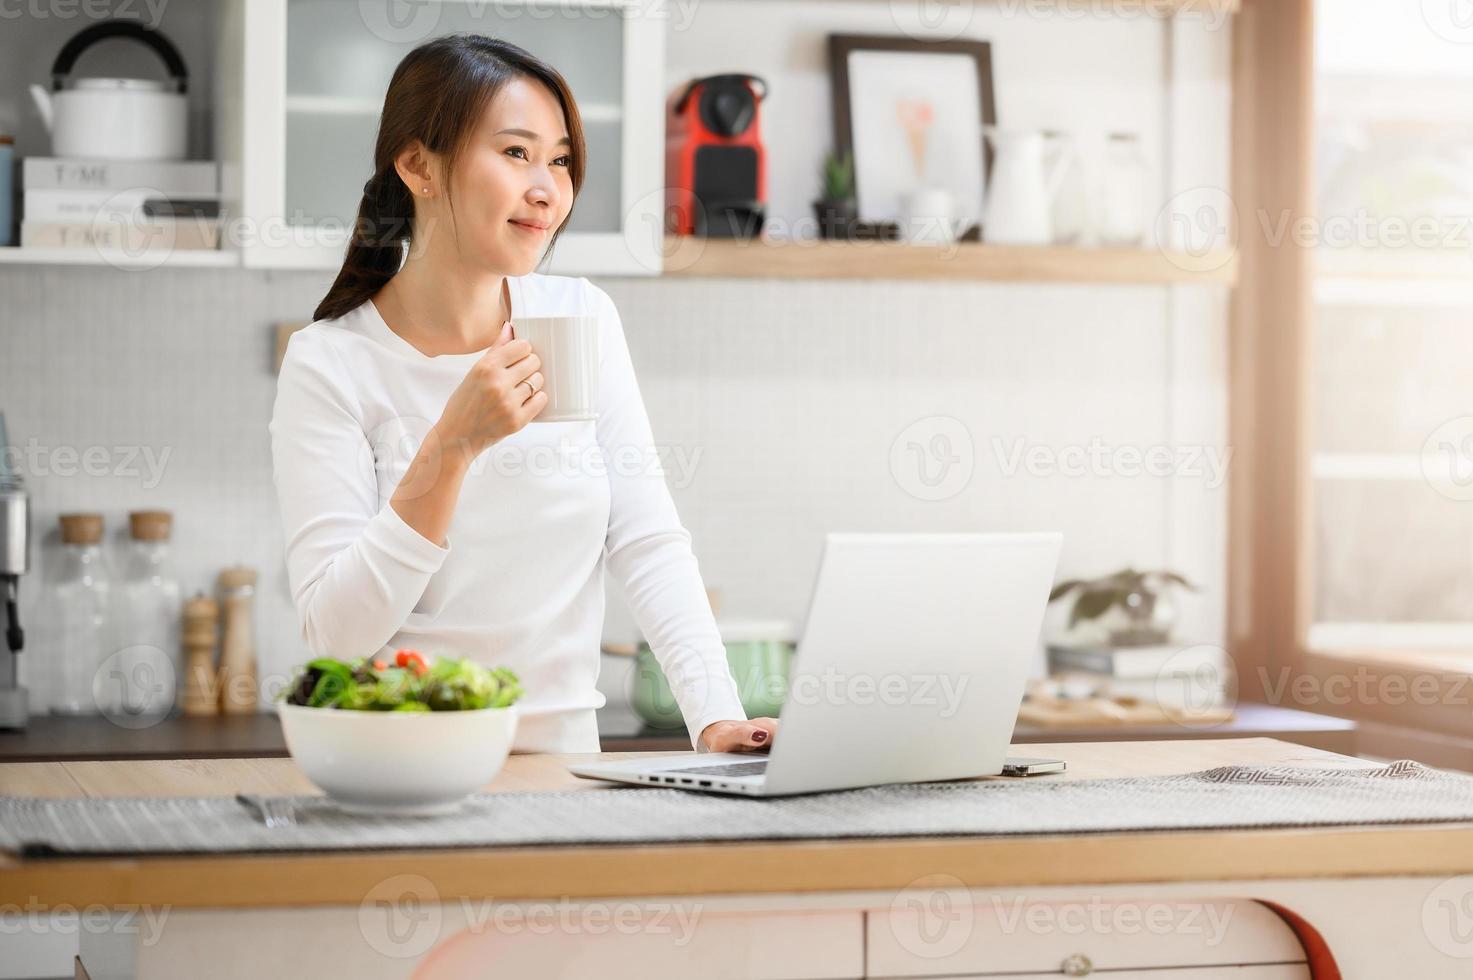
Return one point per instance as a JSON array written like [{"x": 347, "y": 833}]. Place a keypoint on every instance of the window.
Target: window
[{"x": 1390, "y": 357}]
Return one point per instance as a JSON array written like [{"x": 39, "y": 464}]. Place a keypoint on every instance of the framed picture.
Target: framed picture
[{"x": 912, "y": 112}]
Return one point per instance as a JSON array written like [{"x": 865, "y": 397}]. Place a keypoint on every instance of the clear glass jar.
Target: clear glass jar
[
  {"x": 1070, "y": 215},
  {"x": 78, "y": 604},
  {"x": 139, "y": 680},
  {"x": 1123, "y": 194}
]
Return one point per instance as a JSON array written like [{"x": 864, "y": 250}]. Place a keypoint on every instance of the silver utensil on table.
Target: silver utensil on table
[{"x": 272, "y": 811}]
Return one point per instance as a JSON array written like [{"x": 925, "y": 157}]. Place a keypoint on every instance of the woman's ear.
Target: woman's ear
[{"x": 419, "y": 168}]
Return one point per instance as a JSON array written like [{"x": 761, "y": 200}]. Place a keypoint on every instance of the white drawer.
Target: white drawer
[
  {"x": 611, "y": 940},
  {"x": 1287, "y": 971},
  {"x": 938, "y": 933},
  {"x": 818, "y": 945}
]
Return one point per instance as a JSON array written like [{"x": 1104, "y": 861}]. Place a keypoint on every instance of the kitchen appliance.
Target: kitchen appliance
[
  {"x": 759, "y": 653},
  {"x": 116, "y": 118},
  {"x": 715, "y": 163},
  {"x": 911, "y": 669},
  {"x": 1021, "y": 192},
  {"x": 15, "y": 533}
]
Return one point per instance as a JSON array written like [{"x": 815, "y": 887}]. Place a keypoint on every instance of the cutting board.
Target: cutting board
[{"x": 1117, "y": 712}]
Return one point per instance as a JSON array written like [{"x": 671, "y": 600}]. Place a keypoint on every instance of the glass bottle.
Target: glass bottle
[
  {"x": 139, "y": 681},
  {"x": 78, "y": 606},
  {"x": 1070, "y": 214},
  {"x": 1123, "y": 201}
]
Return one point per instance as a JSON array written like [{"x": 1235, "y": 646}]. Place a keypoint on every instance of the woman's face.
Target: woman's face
[{"x": 512, "y": 186}]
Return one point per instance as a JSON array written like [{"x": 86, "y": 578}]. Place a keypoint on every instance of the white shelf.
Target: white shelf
[
  {"x": 333, "y": 105},
  {"x": 337, "y": 105},
  {"x": 179, "y": 259}
]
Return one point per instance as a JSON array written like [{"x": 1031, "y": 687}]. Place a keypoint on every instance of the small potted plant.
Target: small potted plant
[
  {"x": 1133, "y": 608},
  {"x": 838, "y": 210}
]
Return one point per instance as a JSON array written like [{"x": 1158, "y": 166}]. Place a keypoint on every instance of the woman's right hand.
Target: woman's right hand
[{"x": 492, "y": 402}]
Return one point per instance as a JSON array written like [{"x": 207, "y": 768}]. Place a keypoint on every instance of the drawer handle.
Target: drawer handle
[{"x": 1077, "y": 965}]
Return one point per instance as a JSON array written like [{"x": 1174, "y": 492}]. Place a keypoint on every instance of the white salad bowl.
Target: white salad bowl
[{"x": 398, "y": 762}]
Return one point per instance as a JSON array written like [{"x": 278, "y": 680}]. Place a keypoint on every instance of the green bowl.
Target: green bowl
[{"x": 760, "y": 655}]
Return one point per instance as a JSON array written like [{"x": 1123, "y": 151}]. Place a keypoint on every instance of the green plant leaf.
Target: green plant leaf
[
  {"x": 1064, "y": 588},
  {"x": 1175, "y": 579},
  {"x": 1093, "y": 603}
]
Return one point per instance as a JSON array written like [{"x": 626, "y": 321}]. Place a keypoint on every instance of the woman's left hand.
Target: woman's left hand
[{"x": 753, "y": 735}]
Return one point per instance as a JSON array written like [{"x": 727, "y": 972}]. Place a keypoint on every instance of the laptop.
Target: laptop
[{"x": 911, "y": 668}]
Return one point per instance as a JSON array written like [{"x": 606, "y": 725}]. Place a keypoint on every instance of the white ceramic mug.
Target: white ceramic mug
[
  {"x": 568, "y": 349},
  {"x": 929, "y": 216}
]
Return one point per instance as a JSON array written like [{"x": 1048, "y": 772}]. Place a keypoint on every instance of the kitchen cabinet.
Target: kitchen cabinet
[
  {"x": 1382, "y": 899},
  {"x": 286, "y": 95},
  {"x": 1280, "y": 971},
  {"x": 312, "y": 75},
  {"x": 936, "y": 933}
]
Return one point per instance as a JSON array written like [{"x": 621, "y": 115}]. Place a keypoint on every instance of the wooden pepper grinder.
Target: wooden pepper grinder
[
  {"x": 238, "y": 648},
  {"x": 201, "y": 626}
]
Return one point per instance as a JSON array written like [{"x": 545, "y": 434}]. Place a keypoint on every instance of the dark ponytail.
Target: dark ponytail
[{"x": 437, "y": 96}]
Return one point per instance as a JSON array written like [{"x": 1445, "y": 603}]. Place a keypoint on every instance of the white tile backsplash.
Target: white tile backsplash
[{"x": 785, "y": 396}]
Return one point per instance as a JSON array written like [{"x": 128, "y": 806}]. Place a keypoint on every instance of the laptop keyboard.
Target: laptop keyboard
[{"x": 728, "y": 769}]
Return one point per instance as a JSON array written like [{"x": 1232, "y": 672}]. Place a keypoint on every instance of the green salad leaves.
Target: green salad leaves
[{"x": 407, "y": 684}]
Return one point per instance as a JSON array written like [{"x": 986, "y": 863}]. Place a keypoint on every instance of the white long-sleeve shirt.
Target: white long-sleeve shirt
[{"x": 520, "y": 580}]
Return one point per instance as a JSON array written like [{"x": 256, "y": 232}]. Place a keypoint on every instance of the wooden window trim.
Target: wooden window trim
[{"x": 1270, "y": 514}]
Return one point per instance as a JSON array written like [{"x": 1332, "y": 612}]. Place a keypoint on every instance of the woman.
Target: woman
[{"x": 421, "y": 509}]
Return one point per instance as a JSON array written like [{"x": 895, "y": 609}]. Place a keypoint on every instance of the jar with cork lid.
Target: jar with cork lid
[
  {"x": 78, "y": 606},
  {"x": 141, "y": 676}
]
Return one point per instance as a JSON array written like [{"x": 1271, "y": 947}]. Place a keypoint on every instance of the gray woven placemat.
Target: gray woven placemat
[{"x": 1227, "y": 797}]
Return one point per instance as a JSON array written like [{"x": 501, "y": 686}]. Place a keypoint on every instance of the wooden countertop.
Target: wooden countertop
[
  {"x": 55, "y": 738},
  {"x": 722, "y": 868},
  {"x": 51, "y": 738}
]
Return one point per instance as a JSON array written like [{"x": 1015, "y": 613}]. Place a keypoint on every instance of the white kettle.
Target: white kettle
[
  {"x": 116, "y": 118},
  {"x": 1021, "y": 190}
]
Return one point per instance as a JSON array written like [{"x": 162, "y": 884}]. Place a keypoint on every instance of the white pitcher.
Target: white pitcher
[{"x": 1021, "y": 190}]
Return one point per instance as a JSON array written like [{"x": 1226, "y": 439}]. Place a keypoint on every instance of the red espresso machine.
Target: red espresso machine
[{"x": 715, "y": 164}]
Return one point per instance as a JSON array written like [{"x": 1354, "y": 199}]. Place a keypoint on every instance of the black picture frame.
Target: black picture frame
[{"x": 839, "y": 47}]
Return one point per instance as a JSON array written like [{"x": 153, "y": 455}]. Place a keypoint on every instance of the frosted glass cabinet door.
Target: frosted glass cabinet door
[{"x": 323, "y": 67}]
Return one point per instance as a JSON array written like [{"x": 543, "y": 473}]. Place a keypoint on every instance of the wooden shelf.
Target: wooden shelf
[
  {"x": 1157, "y": 8},
  {"x": 180, "y": 258},
  {"x": 766, "y": 259}
]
